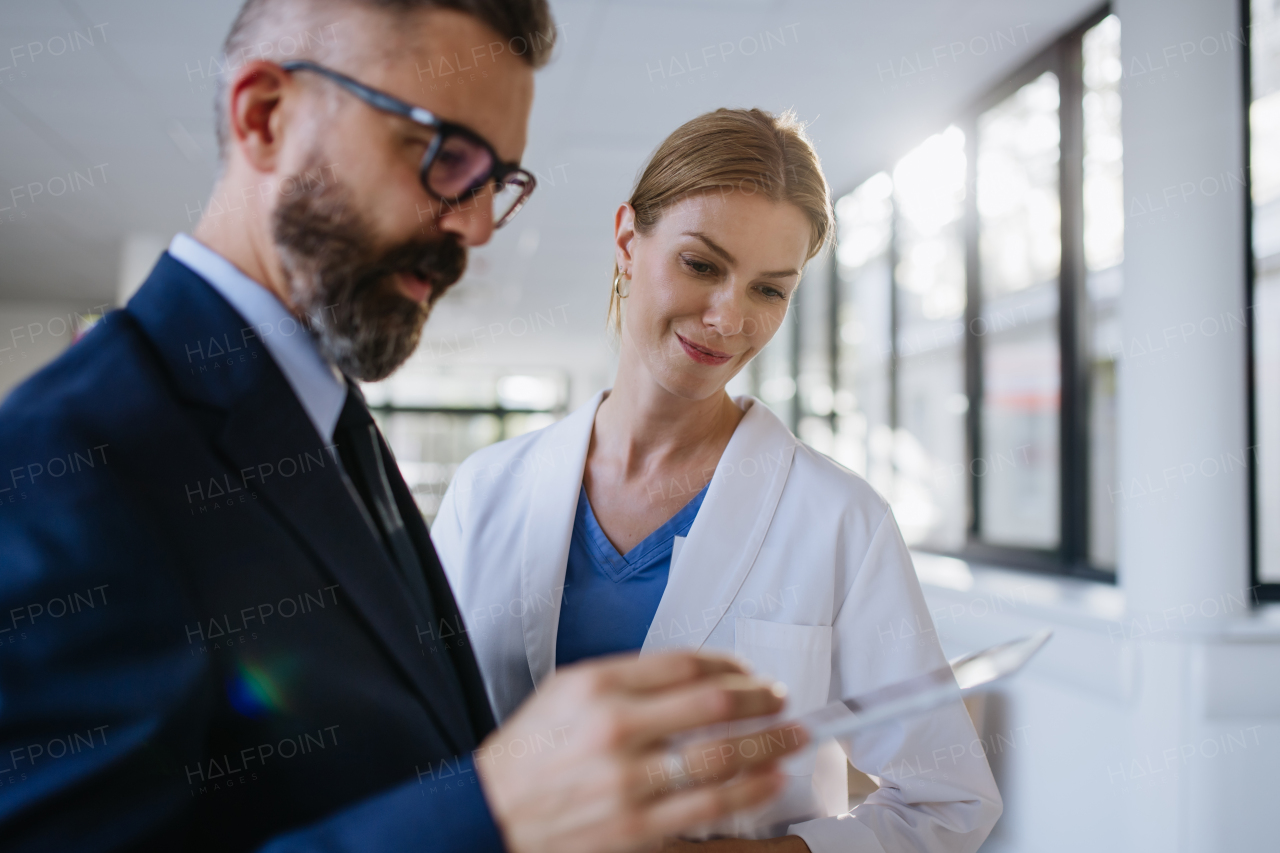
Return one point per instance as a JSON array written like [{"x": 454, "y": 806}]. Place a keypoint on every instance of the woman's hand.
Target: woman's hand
[{"x": 785, "y": 844}]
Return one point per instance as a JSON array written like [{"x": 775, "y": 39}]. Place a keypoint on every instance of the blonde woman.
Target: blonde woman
[{"x": 665, "y": 513}]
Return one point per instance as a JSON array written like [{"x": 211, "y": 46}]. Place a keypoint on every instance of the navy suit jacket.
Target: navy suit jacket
[{"x": 203, "y": 643}]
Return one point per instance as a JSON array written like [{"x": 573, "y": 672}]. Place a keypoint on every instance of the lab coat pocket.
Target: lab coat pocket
[{"x": 797, "y": 655}]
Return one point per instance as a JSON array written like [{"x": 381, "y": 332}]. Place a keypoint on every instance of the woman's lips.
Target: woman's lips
[
  {"x": 412, "y": 287},
  {"x": 702, "y": 355}
]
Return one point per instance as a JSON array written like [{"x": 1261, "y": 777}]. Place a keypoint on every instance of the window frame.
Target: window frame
[{"x": 1064, "y": 57}]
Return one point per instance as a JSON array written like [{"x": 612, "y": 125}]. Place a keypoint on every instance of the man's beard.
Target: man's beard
[{"x": 346, "y": 288}]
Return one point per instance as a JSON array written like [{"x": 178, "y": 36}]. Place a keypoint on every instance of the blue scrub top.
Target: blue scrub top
[{"x": 610, "y": 599}]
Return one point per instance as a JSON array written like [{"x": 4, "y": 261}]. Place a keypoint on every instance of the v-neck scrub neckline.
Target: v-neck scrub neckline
[
  {"x": 609, "y": 598},
  {"x": 654, "y": 546}
]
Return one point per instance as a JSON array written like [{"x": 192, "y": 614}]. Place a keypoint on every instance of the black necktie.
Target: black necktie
[{"x": 358, "y": 444}]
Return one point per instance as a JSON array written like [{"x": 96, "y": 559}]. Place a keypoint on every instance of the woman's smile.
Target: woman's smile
[{"x": 702, "y": 355}]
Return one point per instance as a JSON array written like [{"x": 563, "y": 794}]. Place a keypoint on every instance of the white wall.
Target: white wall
[{"x": 1152, "y": 720}]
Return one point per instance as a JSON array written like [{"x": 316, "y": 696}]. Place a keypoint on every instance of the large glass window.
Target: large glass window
[
  {"x": 1264, "y": 176},
  {"x": 773, "y": 373},
  {"x": 864, "y": 431},
  {"x": 433, "y": 420},
  {"x": 1020, "y": 252},
  {"x": 928, "y": 446},
  {"x": 1103, "y": 252},
  {"x": 815, "y": 391},
  {"x": 976, "y": 303}
]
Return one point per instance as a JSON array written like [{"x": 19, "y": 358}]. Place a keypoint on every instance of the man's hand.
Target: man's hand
[{"x": 586, "y": 764}]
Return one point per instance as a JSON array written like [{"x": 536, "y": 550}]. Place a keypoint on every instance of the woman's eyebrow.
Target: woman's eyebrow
[
  {"x": 722, "y": 252},
  {"x": 712, "y": 245}
]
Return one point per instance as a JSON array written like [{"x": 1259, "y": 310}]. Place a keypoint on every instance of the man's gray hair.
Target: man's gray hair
[{"x": 526, "y": 27}]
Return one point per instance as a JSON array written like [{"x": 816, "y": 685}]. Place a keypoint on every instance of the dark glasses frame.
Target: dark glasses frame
[{"x": 499, "y": 174}]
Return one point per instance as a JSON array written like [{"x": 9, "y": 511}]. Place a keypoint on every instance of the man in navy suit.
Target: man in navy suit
[{"x": 222, "y": 622}]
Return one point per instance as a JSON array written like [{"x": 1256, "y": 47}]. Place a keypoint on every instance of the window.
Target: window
[
  {"x": 433, "y": 422},
  {"x": 927, "y": 443},
  {"x": 974, "y": 294},
  {"x": 1020, "y": 263},
  {"x": 863, "y": 434},
  {"x": 1103, "y": 220},
  {"x": 1262, "y": 83},
  {"x": 771, "y": 375}
]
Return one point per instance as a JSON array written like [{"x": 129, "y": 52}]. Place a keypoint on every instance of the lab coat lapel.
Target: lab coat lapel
[
  {"x": 727, "y": 534},
  {"x": 553, "y": 502}
]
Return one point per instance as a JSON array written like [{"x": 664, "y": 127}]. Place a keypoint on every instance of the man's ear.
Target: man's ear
[
  {"x": 256, "y": 113},
  {"x": 624, "y": 232}
]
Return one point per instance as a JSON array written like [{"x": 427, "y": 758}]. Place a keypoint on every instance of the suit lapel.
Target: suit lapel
[
  {"x": 727, "y": 534},
  {"x": 323, "y": 513},
  {"x": 553, "y": 499},
  {"x": 264, "y": 425}
]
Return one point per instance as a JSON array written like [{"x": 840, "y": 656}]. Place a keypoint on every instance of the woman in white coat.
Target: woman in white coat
[{"x": 664, "y": 513}]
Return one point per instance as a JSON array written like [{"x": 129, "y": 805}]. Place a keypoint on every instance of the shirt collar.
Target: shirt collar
[{"x": 319, "y": 386}]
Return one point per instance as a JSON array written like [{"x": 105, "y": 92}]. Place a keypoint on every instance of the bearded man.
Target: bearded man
[{"x": 221, "y": 609}]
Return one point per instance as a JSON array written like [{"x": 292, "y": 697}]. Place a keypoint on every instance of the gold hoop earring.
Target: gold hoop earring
[{"x": 617, "y": 286}]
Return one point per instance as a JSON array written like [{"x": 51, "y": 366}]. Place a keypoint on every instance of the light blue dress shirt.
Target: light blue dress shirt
[
  {"x": 317, "y": 383},
  {"x": 609, "y": 598}
]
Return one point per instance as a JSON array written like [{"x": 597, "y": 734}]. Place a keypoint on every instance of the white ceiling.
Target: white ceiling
[{"x": 137, "y": 104}]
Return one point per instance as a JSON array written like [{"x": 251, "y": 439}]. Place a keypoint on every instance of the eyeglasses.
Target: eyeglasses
[{"x": 459, "y": 163}]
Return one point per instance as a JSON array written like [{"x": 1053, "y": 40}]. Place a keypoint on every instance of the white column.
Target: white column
[{"x": 1183, "y": 490}]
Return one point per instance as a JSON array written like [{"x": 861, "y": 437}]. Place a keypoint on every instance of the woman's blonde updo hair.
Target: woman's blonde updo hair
[{"x": 733, "y": 151}]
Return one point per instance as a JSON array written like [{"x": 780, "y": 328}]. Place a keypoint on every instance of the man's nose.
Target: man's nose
[{"x": 470, "y": 219}]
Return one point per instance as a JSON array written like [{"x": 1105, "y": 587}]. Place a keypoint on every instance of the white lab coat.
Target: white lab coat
[{"x": 793, "y": 563}]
